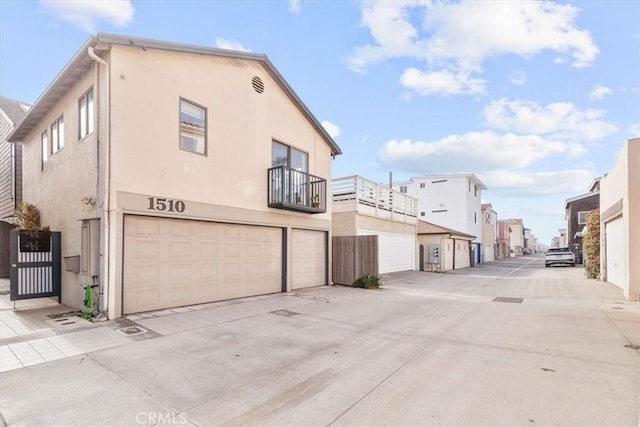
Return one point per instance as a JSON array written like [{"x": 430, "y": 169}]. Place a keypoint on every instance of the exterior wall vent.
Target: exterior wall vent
[{"x": 258, "y": 84}]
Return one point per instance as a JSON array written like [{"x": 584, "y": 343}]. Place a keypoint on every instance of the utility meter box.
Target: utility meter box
[
  {"x": 90, "y": 247},
  {"x": 434, "y": 253}
]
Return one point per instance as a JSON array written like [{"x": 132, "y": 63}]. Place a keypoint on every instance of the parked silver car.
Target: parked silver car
[{"x": 559, "y": 256}]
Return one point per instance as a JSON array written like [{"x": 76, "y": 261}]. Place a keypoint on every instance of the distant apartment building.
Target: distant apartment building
[
  {"x": 451, "y": 201},
  {"x": 489, "y": 233},
  {"x": 516, "y": 237},
  {"x": 503, "y": 240}
]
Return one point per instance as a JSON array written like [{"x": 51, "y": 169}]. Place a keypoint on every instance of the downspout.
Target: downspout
[{"x": 104, "y": 283}]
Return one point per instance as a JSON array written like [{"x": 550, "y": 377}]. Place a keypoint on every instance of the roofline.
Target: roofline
[
  {"x": 23, "y": 128},
  {"x": 454, "y": 175},
  {"x": 446, "y": 230},
  {"x": 580, "y": 197}
]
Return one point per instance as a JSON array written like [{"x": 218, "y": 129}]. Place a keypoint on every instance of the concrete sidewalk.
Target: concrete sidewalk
[{"x": 427, "y": 349}]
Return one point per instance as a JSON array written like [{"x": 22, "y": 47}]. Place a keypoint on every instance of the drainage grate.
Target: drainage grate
[
  {"x": 132, "y": 330},
  {"x": 285, "y": 313},
  {"x": 71, "y": 322},
  {"x": 506, "y": 299}
]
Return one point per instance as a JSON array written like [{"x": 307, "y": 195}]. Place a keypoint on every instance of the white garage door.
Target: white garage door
[
  {"x": 614, "y": 253},
  {"x": 396, "y": 252},
  {"x": 173, "y": 262},
  {"x": 308, "y": 258}
]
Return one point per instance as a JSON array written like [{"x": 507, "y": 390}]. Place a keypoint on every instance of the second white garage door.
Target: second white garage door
[
  {"x": 308, "y": 258},
  {"x": 396, "y": 252},
  {"x": 614, "y": 254},
  {"x": 172, "y": 262}
]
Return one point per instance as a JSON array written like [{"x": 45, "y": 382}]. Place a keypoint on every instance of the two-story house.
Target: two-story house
[
  {"x": 452, "y": 201},
  {"x": 516, "y": 236},
  {"x": 504, "y": 238},
  {"x": 11, "y": 112},
  {"x": 179, "y": 174},
  {"x": 576, "y": 211},
  {"x": 489, "y": 233}
]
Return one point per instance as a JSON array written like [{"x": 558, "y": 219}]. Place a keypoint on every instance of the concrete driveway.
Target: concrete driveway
[{"x": 427, "y": 349}]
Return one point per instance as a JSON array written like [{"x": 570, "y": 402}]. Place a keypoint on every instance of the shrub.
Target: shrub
[
  {"x": 591, "y": 243},
  {"x": 28, "y": 216},
  {"x": 367, "y": 282}
]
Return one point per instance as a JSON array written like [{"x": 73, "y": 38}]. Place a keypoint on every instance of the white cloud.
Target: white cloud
[
  {"x": 86, "y": 14},
  {"x": 518, "y": 78},
  {"x": 230, "y": 45},
  {"x": 456, "y": 37},
  {"x": 559, "y": 120},
  {"x": 523, "y": 184},
  {"x": 634, "y": 130},
  {"x": 332, "y": 129},
  {"x": 473, "y": 152},
  {"x": 294, "y": 6},
  {"x": 599, "y": 92},
  {"x": 441, "y": 82}
]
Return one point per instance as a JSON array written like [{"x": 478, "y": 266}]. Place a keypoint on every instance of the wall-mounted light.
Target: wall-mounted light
[{"x": 89, "y": 201}]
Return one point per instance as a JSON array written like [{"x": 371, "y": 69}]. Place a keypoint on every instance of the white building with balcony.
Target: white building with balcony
[
  {"x": 451, "y": 201},
  {"x": 362, "y": 207}
]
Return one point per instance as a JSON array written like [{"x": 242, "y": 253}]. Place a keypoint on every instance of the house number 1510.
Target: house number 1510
[{"x": 169, "y": 205}]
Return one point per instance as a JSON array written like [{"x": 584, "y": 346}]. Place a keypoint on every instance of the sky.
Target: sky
[{"x": 535, "y": 98}]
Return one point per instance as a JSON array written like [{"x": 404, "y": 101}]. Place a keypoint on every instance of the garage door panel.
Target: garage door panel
[
  {"x": 171, "y": 262},
  {"x": 308, "y": 258},
  {"x": 614, "y": 233},
  {"x": 396, "y": 252}
]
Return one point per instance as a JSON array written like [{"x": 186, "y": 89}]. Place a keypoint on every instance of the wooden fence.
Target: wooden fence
[{"x": 354, "y": 257}]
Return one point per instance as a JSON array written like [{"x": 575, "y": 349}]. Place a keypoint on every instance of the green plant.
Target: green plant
[
  {"x": 28, "y": 216},
  {"x": 591, "y": 243},
  {"x": 81, "y": 314},
  {"x": 367, "y": 282}
]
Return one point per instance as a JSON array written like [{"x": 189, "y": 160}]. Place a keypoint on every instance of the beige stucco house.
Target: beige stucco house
[
  {"x": 620, "y": 222},
  {"x": 442, "y": 248},
  {"x": 179, "y": 174},
  {"x": 362, "y": 207}
]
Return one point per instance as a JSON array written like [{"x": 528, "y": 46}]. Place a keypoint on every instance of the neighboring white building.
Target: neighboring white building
[
  {"x": 489, "y": 233},
  {"x": 451, "y": 201}
]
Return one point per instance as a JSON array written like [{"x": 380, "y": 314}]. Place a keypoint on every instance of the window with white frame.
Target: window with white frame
[
  {"x": 86, "y": 114},
  {"x": 57, "y": 135},
  {"x": 582, "y": 217},
  {"x": 403, "y": 188},
  {"x": 44, "y": 144},
  {"x": 422, "y": 185},
  {"x": 193, "y": 127}
]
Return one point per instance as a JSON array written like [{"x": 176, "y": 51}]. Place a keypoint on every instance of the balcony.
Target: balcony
[
  {"x": 357, "y": 194},
  {"x": 295, "y": 190}
]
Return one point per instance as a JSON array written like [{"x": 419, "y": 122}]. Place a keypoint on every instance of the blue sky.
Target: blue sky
[{"x": 536, "y": 98}]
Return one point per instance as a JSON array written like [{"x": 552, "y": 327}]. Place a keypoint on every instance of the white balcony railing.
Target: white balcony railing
[{"x": 357, "y": 194}]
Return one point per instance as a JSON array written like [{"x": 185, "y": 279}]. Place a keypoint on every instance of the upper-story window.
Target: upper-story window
[
  {"x": 422, "y": 185},
  {"x": 86, "y": 114},
  {"x": 403, "y": 188},
  {"x": 475, "y": 190},
  {"x": 44, "y": 149},
  {"x": 582, "y": 217},
  {"x": 283, "y": 155},
  {"x": 193, "y": 127},
  {"x": 57, "y": 135}
]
